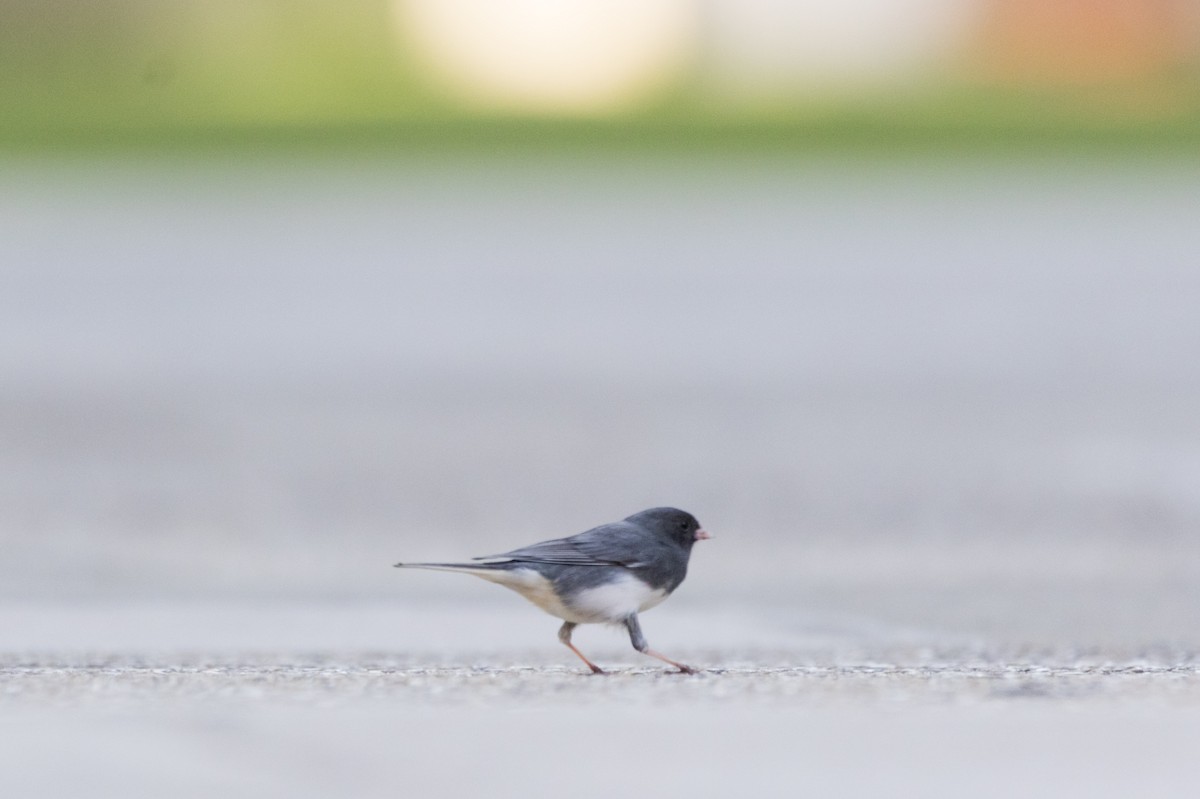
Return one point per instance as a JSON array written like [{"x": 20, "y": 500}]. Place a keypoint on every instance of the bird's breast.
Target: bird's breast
[{"x": 615, "y": 600}]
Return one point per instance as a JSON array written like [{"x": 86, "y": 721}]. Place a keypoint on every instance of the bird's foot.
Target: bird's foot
[
  {"x": 596, "y": 670},
  {"x": 686, "y": 669}
]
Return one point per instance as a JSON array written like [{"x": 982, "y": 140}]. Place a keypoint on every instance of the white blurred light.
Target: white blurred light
[
  {"x": 769, "y": 44},
  {"x": 573, "y": 56}
]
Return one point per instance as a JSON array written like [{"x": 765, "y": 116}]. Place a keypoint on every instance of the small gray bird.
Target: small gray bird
[{"x": 606, "y": 575}]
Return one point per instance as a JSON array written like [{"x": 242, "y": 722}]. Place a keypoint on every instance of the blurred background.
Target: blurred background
[
  {"x": 745, "y": 73},
  {"x": 899, "y": 297}
]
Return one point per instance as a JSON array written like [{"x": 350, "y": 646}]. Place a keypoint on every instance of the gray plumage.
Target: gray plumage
[{"x": 607, "y": 574}]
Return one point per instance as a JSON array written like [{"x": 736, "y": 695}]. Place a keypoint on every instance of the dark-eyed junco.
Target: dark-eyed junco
[{"x": 606, "y": 575}]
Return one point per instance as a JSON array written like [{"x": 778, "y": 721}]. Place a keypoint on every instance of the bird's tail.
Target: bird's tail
[{"x": 478, "y": 569}]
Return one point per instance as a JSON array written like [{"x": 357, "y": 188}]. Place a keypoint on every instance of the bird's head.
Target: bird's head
[{"x": 677, "y": 525}]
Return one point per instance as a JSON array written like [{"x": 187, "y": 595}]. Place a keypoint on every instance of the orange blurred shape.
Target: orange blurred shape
[{"x": 1086, "y": 41}]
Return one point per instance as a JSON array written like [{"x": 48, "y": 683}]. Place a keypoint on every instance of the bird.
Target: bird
[{"x": 606, "y": 575}]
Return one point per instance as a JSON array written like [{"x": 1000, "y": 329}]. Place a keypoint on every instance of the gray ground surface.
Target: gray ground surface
[
  {"x": 345, "y": 678},
  {"x": 941, "y": 419},
  {"x": 448, "y": 699},
  {"x": 340, "y": 724}
]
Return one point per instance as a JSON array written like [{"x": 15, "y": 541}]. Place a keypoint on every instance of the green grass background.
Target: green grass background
[{"x": 141, "y": 75}]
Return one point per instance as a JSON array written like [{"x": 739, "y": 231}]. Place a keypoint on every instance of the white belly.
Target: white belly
[
  {"x": 610, "y": 602},
  {"x": 616, "y": 600}
]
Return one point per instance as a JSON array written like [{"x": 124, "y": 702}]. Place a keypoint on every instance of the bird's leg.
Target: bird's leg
[
  {"x": 564, "y": 635},
  {"x": 639, "y": 643}
]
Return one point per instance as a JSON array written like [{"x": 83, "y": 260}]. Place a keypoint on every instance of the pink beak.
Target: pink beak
[{"x": 702, "y": 535}]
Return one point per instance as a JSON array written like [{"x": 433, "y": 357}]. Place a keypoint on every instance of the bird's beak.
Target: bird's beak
[{"x": 702, "y": 535}]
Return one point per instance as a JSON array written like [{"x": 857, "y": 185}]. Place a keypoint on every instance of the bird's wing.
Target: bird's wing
[{"x": 619, "y": 544}]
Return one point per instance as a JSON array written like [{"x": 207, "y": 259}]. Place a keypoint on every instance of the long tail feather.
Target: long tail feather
[{"x": 466, "y": 568}]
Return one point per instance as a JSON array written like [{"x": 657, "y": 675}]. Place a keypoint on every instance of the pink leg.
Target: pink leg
[
  {"x": 639, "y": 643},
  {"x": 682, "y": 668},
  {"x": 564, "y": 635}
]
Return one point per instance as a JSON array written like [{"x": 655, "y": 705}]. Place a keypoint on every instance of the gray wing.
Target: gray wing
[{"x": 619, "y": 544}]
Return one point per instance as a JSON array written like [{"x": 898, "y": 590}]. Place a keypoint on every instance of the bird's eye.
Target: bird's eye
[{"x": 683, "y": 525}]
